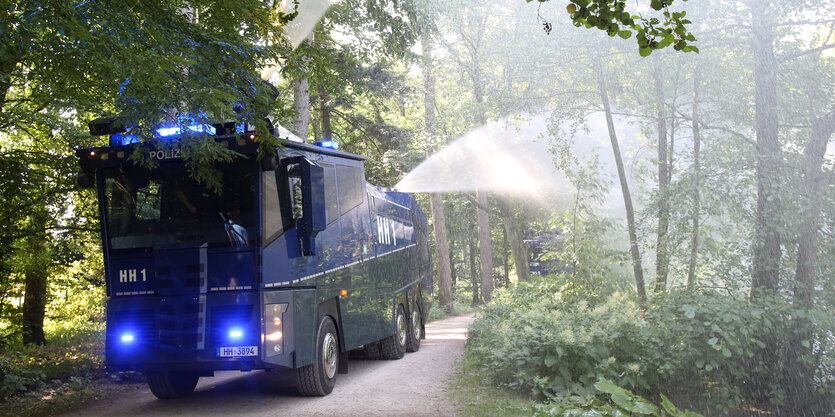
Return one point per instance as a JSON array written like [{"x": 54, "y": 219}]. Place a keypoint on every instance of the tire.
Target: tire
[
  {"x": 394, "y": 347},
  {"x": 319, "y": 378},
  {"x": 373, "y": 351},
  {"x": 167, "y": 385},
  {"x": 415, "y": 331}
]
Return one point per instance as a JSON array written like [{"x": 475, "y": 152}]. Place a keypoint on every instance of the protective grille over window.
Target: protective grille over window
[
  {"x": 350, "y": 187},
  {"x": 330, "y": 193}
]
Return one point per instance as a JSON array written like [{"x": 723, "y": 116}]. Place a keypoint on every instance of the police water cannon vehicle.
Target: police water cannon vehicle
[{"x": 293, "y": 262}]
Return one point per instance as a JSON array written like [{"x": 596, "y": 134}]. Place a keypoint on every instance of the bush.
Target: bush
[{"x": 705, "y": 350}]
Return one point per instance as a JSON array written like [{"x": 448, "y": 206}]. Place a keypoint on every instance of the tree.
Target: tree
[{"x": 67, "y": 61}]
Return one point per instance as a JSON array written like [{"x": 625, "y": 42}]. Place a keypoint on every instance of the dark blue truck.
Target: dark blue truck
[{"x": 292, "y": 263}]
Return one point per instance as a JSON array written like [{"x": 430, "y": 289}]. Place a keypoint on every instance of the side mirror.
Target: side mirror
[
  {"x": 268, "y": 163},
  {"x": 313, "y": 218},
  {"x": 85, "y": 180}
]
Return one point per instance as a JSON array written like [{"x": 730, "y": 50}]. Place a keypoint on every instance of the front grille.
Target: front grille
[{"x": 179, "y": 327}]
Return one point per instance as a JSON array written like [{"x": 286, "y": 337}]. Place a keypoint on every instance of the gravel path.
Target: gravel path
[{"x": 415, "y": 385}]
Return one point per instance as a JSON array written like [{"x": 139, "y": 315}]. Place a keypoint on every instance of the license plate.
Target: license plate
[{"x": 235, "y": 351}]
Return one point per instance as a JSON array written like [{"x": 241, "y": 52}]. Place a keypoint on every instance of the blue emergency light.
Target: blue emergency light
[
  {"x": 127, "y": 338},
  {"x": 236, "y": 333},
  {"x": 331, "y": 144},
  {"x": 175, "y": 130}
]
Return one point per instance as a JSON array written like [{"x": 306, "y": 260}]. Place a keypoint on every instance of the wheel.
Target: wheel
[
  {"x": 166, "y": 385},
  {"x": 394, "y": 347},
  {"x": 373, "y": 351},
  {"x": 318, "y": 378},
  {"x": 415, "y": 331}
]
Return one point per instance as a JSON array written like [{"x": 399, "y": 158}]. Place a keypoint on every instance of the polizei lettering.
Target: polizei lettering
[{"x": 165, "y": 154}]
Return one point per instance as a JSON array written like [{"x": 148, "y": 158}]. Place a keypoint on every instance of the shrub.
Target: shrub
[{"x": 706, "y": 350}]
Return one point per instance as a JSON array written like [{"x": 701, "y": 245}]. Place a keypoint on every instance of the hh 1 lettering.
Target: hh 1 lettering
[
  {"x": 129, "y": 275},
  {"x": 386, "y": 231}
]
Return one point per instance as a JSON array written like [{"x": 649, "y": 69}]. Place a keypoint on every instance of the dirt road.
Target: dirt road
[{"x": 415, "y": 385}]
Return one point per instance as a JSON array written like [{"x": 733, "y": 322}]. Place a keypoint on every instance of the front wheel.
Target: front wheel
[
  {"x": 166, "y": 385},
  {"x": 319, "y": 378}
]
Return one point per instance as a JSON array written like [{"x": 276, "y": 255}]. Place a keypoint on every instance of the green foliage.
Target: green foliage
[
  {"x": 623, "y": 403},
  {"x": 551, "y": 341},
  {"x": 612, "y": 17}
]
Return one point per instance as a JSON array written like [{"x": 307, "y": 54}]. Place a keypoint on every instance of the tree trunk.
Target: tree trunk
[
  {"x": 517, "y": 245},
  {"x": 663, "y": 185},
  {"x": 301, "y": 105},
  {"x": 452, "y": 276},
  {"x": 441, "y": 253},
  {"x": 437, "y": 205},
  {"x": 767, "y": 250},
  {"x": 506, "y": 260},
  {"x": 697, "y": 143},
  {"x": 35, "y": 274},
  {"x": 325, "y": 114},
  {"x": 485, "y": 247},
  {"x": 627, "y": 197},
  {"x": 474, "y": 275},
  {"x": 807, "y": 251}
]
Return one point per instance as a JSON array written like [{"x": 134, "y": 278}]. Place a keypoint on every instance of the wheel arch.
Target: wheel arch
[{"x": 330, "y": 308}]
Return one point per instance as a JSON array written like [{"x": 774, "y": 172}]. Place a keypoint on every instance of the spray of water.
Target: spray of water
[
  {"x": 298, "y": 29},
  {"x": 497, "y": 157}
]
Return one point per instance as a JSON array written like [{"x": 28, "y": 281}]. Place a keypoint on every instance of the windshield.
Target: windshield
[{"x": 165, "y": 206}]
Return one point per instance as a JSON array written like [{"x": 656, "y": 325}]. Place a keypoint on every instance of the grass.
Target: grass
[
  {"x": 475, "y": 398},
  {"x": 43, "y": 380}
]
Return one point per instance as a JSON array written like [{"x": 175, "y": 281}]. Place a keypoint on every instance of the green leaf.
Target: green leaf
[
  {"x": 712, "y": 341},
  {"x": 726, "y": 352},
  {"x": 804, "y": 343},
  {"x": 625, "y": 34}
]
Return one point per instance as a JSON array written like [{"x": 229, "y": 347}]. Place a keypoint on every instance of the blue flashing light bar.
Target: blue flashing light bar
[
  {"x": 120, "y": 139},
  {"x": 174, "y": 131},
  {"x": 127, "y": 338},
  {"x": 236, "y": 333},
  {"x": 331, "y": 144}
]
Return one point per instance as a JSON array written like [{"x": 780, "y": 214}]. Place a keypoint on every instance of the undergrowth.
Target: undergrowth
[{"x": 556, "y": 342}]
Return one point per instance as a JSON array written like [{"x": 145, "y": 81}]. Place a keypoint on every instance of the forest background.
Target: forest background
[{"x": 692, "y": 246}]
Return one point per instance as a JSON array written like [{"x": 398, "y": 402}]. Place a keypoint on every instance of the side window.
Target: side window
[
  {"x": 350, "y": 187},
  {"x": 270, "y": 206},
  {"x": 330, "y": 193}
]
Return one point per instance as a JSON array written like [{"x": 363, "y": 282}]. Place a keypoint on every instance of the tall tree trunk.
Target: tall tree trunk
[
  {"x": 325, "y": 114},
  {"x": 506, "y": 260},
  {"x": 807, "y": 251},
  {"x": 452, "y": 273},
  {"x": 697, "y": 143},
  {"x": 474, "y": 275},
  {"x": 35, "y": 289},
  {"x": 485, "y": 247},
  {"x": 301, "y": 105},
  {"x": 767, "y": 250},
  {"x": 663, "y": 185},
  {"x": 441, "y": 253},
  {"x": 437, "y": 205},
  {"x": 627, "y": 197},
  {"x": 514, "y": 235},
  {"x": 484, "y": 244}
]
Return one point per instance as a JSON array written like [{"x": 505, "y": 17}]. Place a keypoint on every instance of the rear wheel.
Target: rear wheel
[
  {"x": 394, "y": 347},
  {"x": 415, "y": 331},
  {"x": 166, "y": 385},
  {"x": 319, "y": 378}
]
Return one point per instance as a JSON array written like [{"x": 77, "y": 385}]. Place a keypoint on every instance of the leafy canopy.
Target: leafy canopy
[{"x": 613, "y": 17}]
